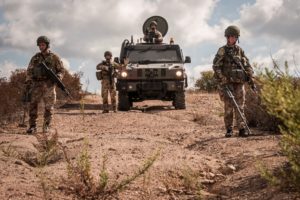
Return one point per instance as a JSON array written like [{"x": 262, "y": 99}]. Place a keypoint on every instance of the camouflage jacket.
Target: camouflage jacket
[
  {"x": 104, "y": 68},
  {"x": 36, "y": 73},
  {"x": 227, "y": 69},
  {"x": 150, "y": 35}
]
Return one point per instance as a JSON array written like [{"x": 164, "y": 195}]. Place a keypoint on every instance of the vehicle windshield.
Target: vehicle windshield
[{"x": 154, "y": 56}]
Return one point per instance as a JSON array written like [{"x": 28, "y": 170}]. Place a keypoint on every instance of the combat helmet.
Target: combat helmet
[
  {"x": 232, "y": 30},
  {"x": 153, "y": 23},
  {"x": 43, "y": 39},
  {"x": 107, "y": 53}
]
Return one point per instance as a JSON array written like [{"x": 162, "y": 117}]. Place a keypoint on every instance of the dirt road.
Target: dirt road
[{"x": 191, "y": 146}]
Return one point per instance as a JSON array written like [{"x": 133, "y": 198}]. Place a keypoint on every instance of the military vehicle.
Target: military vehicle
[{"x": 155, "y": 71}]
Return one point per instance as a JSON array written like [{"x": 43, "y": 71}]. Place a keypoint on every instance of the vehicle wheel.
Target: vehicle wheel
[
  {"x": 179, "y": 100},
  {"x": 123, "y": 104}
]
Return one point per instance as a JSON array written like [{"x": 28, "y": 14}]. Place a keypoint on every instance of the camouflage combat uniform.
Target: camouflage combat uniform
[
  {"x": 108, "y": 83},
  {"x": 42, "y": 87},
  {"x": 153, "y": 35},
  {"x": 156, "y": 35},
  {"x": 228, "y": 73}
]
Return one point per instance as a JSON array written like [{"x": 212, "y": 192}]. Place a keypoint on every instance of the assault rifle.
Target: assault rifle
[
  {"x": 53, "y": 77},
  {"x": 241, "y": 114}
]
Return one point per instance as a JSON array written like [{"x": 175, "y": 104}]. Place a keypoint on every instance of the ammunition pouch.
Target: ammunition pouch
[
  {"x": 237, "y": 76},
  {"x": 99, "y": 75},
  {"x": 39, "y": 73}
]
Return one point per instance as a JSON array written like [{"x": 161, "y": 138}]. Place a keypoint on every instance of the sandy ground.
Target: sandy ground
[{"x": 191, "y": 145}]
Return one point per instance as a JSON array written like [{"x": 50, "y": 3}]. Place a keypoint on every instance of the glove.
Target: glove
[
  {"x": 59, "y": 76},
  {"x": 253, "y": 88},
  {"x": 223, "y": 80}
]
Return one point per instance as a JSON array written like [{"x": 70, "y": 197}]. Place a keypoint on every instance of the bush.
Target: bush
[
  {"x": 207, "y": 82},
  {"x": 72, "y": 83},
  {"x": 256, "y": 113},
  {"x": 11, "y": 93},
  {"x": 281, "y": 96},
  {"x": 10, "y": 98}
]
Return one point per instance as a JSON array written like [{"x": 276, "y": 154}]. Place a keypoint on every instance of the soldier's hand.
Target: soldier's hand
[
  {"x": 223, "y": 80},
  {"x": 254, "y": 89},
  {"x": 59, "y": 76}
]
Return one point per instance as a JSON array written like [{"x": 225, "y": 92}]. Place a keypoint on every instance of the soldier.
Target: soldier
[
  {"x": 108, "y": 74},
  {"x": 42, "y": 88},
  {"x": 153, "y": 35},
  {"x": 229, "y": 73}
]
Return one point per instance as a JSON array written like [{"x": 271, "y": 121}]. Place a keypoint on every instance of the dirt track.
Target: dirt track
[{"x": 190, "y": 142}]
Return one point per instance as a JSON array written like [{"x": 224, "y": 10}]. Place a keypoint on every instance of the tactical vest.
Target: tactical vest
[
  {"x": 106, "y": 74},
  {"x": 38, "y": 72},
  {"x": 230, "y": 69}
]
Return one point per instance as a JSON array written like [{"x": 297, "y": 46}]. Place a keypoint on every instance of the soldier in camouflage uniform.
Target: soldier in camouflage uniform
[
  {"x": 153, "y": 35},
  {"x": 42, "y": 88},
  {"x": 227, "y": 72},
  {"x": 108, "y": 70}
]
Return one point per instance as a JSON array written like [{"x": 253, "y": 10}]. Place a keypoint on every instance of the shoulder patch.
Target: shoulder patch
[{"x": 221, "y": 51}]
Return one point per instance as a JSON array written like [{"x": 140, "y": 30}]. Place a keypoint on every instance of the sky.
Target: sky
[{"x": 80, "y": 31}]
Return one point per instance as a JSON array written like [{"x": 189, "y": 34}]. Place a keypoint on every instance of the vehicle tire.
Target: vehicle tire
[
  {"x": 123, "y": 103},
  {"x": 179, "y": 100}
]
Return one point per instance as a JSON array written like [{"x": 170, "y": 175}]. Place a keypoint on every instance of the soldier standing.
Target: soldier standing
[
  {"x": 108, "y": 74},
  {"x": 229, "y": 73},
  {"x": 42, "y": 88},
  {"x": 153, "y": 35}
]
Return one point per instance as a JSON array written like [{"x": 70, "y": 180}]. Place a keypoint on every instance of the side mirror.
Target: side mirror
[
  {"x": 187, "y": 59},
  {"x": 116, "y": 59}
]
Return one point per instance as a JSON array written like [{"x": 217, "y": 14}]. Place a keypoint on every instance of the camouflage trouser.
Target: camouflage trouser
[
  {"x": 238, "y": 91},
  {"x": 111, "y": 89},
  {"x": 46, "y": 92}
]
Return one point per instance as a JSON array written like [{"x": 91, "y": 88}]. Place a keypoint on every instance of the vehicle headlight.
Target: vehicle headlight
[
  {"x": 124, "y": 74},
  {"x": 179, "y": 73}
]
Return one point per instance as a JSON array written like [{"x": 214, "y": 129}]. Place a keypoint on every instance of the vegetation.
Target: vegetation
[
  {"x": 206, "y": 82},
  {"x": 81, "y": 183},
  {"x": 11, "y": 91},
  {"x": 281, "y": 96}
]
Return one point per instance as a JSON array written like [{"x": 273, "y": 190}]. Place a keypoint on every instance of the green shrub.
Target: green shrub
[
  {"x": 206, "y": 82},
  {"x": 281, "y": 95}
]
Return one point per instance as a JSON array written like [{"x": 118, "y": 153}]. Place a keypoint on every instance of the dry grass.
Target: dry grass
[
  {"x": 186, "y": 182},
  {"x": 81, "y": 184}
]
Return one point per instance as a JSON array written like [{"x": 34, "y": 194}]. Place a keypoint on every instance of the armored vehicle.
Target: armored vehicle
[{"x": 155, "y": 71}]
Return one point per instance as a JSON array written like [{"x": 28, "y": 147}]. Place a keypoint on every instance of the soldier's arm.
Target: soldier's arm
[
  {"x": 59, "y": 67},
  {"x": 159, "y": 38},
  {"x": 102, "y": 66},
  {"x": 218, "y": 63},
  {"x": 29, "y": 72},
  {"x": 247, "y": 65},
  {"x": 121, "y": 66}
]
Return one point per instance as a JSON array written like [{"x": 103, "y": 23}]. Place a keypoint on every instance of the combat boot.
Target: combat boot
[
  {"x": 243, "y": 133},
  {"x": 229, "y": 132},
  {"x": 115, "y": 109},
  {"x": 31, "y": 130}
]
